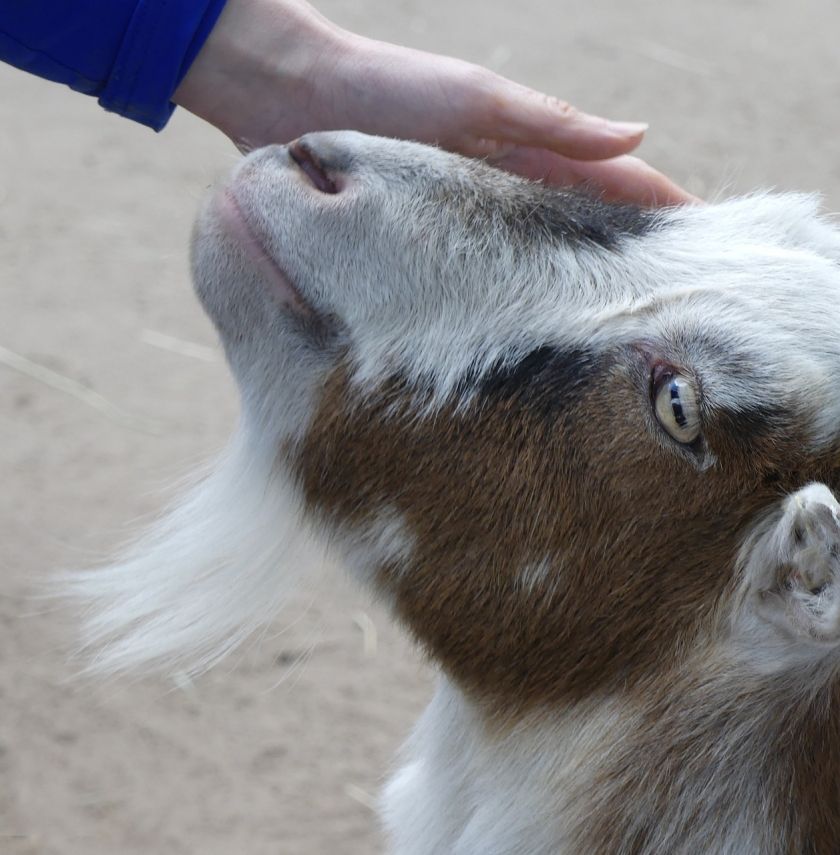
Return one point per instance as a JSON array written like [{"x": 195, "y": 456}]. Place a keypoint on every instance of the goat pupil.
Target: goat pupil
[{"x": 676, "y": 406}]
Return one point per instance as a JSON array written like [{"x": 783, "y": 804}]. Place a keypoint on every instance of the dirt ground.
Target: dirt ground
[{"x": 265, "y": 755}]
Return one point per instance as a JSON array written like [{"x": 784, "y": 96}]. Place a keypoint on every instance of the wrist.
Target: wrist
[{"x": 259, "y": 67}]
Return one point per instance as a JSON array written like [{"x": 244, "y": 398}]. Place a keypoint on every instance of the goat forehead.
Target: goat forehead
[{"x": 770, "y": 292}]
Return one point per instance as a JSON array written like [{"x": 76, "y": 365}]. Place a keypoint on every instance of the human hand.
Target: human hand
[{"x": 272, "y": 70}]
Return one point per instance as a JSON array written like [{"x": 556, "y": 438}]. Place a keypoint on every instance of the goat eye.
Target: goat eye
[{"x": 675, "y": 402}]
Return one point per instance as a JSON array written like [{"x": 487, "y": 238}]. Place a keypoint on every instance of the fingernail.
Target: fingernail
[{"x": 628, "y": 128}]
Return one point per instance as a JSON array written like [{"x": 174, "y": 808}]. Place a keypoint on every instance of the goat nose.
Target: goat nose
[{"x": 318, "y": 168}]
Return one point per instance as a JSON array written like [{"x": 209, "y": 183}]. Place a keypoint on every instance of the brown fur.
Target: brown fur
[
  {"x": 641, "y": 543},
  {"x": 810, "y": 741}
]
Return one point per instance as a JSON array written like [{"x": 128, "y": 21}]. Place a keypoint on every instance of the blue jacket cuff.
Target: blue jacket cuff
[{"x": 162, "y": 40}]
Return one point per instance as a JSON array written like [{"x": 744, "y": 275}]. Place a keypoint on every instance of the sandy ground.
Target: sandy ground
[{"x": 263, "y": 755}]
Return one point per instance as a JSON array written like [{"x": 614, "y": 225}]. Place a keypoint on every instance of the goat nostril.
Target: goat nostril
[{"x": 309, "y": 163}]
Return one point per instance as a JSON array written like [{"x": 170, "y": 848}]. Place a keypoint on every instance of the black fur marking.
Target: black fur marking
[
  {"x": 509, "y": 379},
  {"x": 577, "y": 217},
  {"x": 548, "y": 379},
  {"x": 572, "y": 217},
  {"x": 534, "y": 213}
]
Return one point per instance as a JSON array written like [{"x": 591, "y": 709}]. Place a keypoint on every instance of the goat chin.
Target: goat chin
[{"x": 217, "y": 566}]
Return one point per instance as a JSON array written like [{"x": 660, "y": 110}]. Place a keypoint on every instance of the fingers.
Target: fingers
[
  {"x": 521, "y": 115},
  {"x": 631, "y": 179},
  {"x": 620, "y": 179}
]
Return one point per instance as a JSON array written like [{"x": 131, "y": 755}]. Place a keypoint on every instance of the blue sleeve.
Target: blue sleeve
[{"x": 130, "y": 54}]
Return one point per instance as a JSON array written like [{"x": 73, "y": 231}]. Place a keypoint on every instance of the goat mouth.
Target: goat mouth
[{"x": 237, "y": 226}]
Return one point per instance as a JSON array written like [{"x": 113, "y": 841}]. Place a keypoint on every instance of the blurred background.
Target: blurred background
[{"x": 112, "y": 387}]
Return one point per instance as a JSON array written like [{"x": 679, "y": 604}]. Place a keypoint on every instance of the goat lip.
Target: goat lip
[{"x": 238, "y": 227}]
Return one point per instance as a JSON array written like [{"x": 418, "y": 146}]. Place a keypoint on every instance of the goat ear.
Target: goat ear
[{"x": 791, "y": 566}]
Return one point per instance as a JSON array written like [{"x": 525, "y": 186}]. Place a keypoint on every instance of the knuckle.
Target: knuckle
[{"x": 560, "y": 107}]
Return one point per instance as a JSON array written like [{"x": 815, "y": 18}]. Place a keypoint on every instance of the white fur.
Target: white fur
[
  {"x": 533, "y": 575},
  {"x": 466, "y": 789},
  {"x": 385, "y": 541}
]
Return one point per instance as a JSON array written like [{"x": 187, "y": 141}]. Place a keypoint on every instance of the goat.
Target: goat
[{"x": 585, "y": 452}]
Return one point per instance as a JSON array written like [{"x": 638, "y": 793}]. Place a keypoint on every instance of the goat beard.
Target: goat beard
[{"x": 217, "y": 566}]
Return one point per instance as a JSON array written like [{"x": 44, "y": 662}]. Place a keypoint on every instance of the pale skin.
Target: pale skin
[{"x": 272, "y": 70}]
